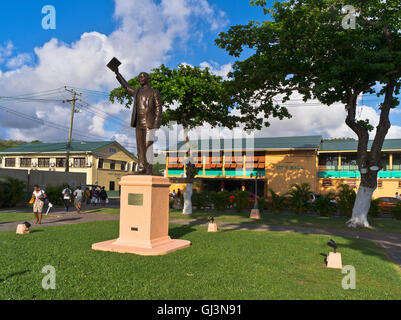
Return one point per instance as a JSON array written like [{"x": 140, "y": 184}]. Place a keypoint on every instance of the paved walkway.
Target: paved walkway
[{"x": 391, "y": 242}]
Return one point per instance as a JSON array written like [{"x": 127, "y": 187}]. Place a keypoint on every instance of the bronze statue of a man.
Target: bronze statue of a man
[{"x": 146, "y": 116}]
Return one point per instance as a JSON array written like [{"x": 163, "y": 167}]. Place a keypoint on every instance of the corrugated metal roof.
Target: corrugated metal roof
[
  {"x": 279, "y": 143},
  {"x": 349, "y": 145},
  {"x": 56, "y": 147}
]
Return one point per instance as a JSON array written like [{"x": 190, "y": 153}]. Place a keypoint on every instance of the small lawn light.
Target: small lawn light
[
  {"x": 334, "y": 258},
  {"x": 212, "y": 227},
  {"x": 23, "y": 228}
]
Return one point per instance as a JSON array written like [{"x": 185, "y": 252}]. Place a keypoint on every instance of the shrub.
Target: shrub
[
  {"x": 324, "y": 206},
  {"x": 396, "y": 211},
  {"x": 220, "y": 200},
  {"x": 200, "y": 199},
  {"x": 54, "y": 194},
  {"x": 300, "y": 197},
  {"x": 241, "y": 200},
  {"x": 374, "y": 210},
  {"x": 262, "y": 203},
  {"x": 12, "y": 192},
  {"x": 277, "y": 202},
  {"x": 345, "y": 199}
]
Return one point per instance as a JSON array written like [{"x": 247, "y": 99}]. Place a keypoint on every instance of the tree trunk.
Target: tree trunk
[
  {"x": 188, "y": 199},
  {"x": 361, "y": 208},
  {"x": 187, "y": 208}
]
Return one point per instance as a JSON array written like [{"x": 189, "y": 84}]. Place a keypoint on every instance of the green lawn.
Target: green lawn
[
  {"x": 378, "y": 224},
  {"x": 15, "y": 216},
  {"x": 222, "y": 265}
]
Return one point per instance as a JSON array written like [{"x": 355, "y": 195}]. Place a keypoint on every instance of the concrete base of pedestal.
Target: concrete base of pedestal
[
  {"x": 161, "y": 249},
  {"x": 255, "y": 214},
  {"x": 212, "y": 227},
  {"x": 144, "y": 218},
  {"x": 334, "y": 261},
  {"x": 22, "y": 229}
]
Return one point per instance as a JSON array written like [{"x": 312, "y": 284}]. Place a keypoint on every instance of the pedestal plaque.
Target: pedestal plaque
[{"x": 144, "y": 218}]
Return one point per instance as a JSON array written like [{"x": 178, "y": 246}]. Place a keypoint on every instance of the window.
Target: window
[
  {"x": 399, "y": 184},
  {"x": 112, "y": 150},
  {"x": 25, "y": 162},
  {"x": 44, "y": 162},
  {"x": 327, "y": 183},
  {"x": 351, "y": 183},
  {"x": 10, "y": 162},
  {"x": 385, "y": 161},
  {"x": 101, "y": 163},
  {"x": 397, "y": 161},
  {"x": 348, "y": 162},
  {"x": 112, "y": 186},
  {"x": 60, "y": 162},
  {"x": 123, "y": 166},
  {"x": 328, "y": 161},
  {"x": 79, "y": 163},
  {"x": 380, "y": 184},
  {"x": 113, "y": 165}
]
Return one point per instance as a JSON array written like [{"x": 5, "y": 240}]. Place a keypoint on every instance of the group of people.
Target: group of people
[
  {"x": 95, "y": 196},
  {"x": 176, "y": 196}
]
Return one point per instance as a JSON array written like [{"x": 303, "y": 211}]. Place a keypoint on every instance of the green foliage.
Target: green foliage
[
  {"x": 54, "y": 194},
  {"x": 262, "y": 203},
  {"x": 4, "y": 144},
  {"x": 299, "y": 197},
  {"x": 241, "y": 200},
  {"x": 191, "y": 96},
  {"x": 324, "y": 206},
  {"x": 277, "y": 202},
  {"x": 345, "y": 199},
  {"x": 374, "y": 210},
  {"x": 200, "y": 200},
  {"x": 396, "y": 211},
  {"x": 12, "y": 192},
  {"x": 220, "y": 200}
]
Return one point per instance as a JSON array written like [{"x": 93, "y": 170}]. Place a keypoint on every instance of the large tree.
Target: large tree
[
  {"x": 312, "y": 47},
  {"x": 191, "y": 97}
]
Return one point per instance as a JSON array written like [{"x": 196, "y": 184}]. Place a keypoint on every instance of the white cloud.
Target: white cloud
[
  {"x": 146, "y": 36},
  {"x": 6, "y": 51}
]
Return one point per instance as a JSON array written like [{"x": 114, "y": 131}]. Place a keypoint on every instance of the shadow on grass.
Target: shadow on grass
[
  {"x": 36, "y": 230},
  {"x": 180, "y": 231},
  {"x": 12, "y": 275}
]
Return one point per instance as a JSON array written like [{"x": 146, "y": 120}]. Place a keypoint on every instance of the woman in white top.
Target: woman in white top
[
  {"x": 40, "y": 197},
  {"x": 78, "y": 199}
]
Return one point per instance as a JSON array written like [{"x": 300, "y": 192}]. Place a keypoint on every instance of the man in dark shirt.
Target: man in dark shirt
[{"x": 146, "y": 118}]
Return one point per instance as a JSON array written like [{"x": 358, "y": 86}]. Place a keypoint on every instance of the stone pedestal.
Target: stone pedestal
[
  {"x": 255, "y": 214},
  {"x": 22, "y": 229},
  {"x": 144, "y": 218},
  {"x": 212, "y": 227},
  {"x": 334, "y": 261}
]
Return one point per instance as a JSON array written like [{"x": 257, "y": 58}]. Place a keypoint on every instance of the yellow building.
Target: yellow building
[
  {"x": 281, "y": 162},
  {"x": 103, "y": 162}
]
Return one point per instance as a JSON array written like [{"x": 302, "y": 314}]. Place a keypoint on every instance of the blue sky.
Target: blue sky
[
  {"x": 90, "y": 32},
  {"x": 74, "y": 17}
]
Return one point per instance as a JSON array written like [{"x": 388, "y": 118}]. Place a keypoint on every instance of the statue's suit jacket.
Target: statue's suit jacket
[{"x": 153, "y": 105}]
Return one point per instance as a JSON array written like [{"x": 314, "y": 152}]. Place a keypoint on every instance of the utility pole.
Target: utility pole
[{"x": 74, "y": 99}]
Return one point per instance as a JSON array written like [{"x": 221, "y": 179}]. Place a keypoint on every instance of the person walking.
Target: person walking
[
  {"x": 397, "y": 196},
  {"x": 67, "y": 197},
  {"x": 39, "y": 198},
  {"x": 87, "y": 196},
  {"x": 179, "y": 196},
  {"x": 78, "y": 196},
  {"x": 103, "y": 196}
]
